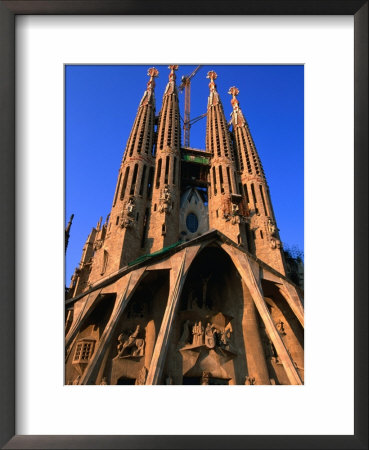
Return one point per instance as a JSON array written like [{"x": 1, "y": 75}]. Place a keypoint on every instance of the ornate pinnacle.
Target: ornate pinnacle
[
  {"x": 238, "y": 118},
  {"x": 213, "y": 76},
  {"x": 172, "y": 75},
  {"x": 152, "y": 73},
  {"x": 234, "y": 92}
]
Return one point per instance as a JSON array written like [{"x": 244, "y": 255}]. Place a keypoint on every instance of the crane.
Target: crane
[{"x": 186, "y": 85}]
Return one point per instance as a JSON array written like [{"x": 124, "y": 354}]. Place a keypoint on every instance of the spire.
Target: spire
[
  {"x": 218, "y": 140},
  {"x": 67, "y": 231},
  {"x": 166, "y": 186},
  {"x": 237, "y": 116},
  {"x": 171, "y": 86},
  {"x": 148, "y": 96},
  {"x": 141, "y": 138},
  {"x": 264, "y": 240},
  {"x": 248, "y": 158},
  {"x": 214, "y": 96}
]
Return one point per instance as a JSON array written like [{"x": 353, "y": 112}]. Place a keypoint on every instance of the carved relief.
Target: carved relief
[
  {"x": 275, "y": 243},
  {"x": 233, "y": 210},
  {"x": 165, "y": 200},
  {"x": 271, "y": 227},
  {"x": 127, "y": 217},
  {"x": 98, "y": 244},
  {"x": 280, "y": 328},
  {"x": 212, "y": 336},
  {"x": 130, "y": 345},
  {"x": 198, "y": 334}
]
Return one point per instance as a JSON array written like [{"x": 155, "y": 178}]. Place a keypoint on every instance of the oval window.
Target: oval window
[{"x": 192, "y": 222}]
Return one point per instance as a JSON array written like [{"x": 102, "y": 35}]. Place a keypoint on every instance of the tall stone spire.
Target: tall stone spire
[
  {"x": 121, "y": 239},
  {"x": 227, "y": 207},
  {"x": 164, "y": 222},
  {"x": 263, "y": 234}
]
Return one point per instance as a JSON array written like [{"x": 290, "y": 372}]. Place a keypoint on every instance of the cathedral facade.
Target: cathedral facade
[{"x": 186, "y": 281}]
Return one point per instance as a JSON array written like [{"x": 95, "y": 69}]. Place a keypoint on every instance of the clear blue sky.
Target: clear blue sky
[{"x": 100, "y": 106}]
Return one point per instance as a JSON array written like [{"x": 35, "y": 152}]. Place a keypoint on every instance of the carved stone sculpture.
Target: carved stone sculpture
[
  {"x": 130, "y": 346},
  {"x": 271, "y": 227},
  {"x": 128, "y": 213},
  {"x": 165, "y": 200},
  {"x": 280, "y": 327},
  {"x": 198, "y": 334},
  {"x": 210, "y": 336}
]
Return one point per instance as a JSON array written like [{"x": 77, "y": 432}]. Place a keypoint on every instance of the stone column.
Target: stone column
[
  {"x": 292, "y": 297},
  {"x": 243, "y": 265},
  {"x": 180, "y": 266}
]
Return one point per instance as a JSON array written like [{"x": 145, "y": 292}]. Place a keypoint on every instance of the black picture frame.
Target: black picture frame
[{"x": 8, "y": 11}]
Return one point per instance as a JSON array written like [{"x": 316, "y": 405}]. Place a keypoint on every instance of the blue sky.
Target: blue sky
[{"x": 100, "y": 106}]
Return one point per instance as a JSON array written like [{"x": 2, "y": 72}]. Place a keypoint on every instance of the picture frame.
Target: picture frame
[{"x": 8, "y": 12}]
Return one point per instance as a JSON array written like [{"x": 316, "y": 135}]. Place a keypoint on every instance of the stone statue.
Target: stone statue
[
  {"x": 225, "y": 335},
  {"x": 198, "y": 334},
  {"x": 128, "y": 213},
  {"x": 132, "y": 342},
  {"x": 210, "y": 336},
  {"x": 130, "y": 206},
  {"x": 165, "y": 200},
  {"x": 271, "y": 227}
]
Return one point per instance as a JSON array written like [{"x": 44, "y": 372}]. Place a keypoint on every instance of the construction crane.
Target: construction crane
[{"x": 186, "y": 85}]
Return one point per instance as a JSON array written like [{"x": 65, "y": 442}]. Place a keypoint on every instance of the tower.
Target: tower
[
  {"x": 163, "y": 225},
  {"x": 227, "y": 207},
  {"x": 121, "y": 239},
  {"x": 263, "y": 236}
]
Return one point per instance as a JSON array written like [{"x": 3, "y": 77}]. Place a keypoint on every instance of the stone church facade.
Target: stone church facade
[{"x": 185, "y": 282}]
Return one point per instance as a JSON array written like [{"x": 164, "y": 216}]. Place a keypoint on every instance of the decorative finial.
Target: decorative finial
[
  {"x": 237, "y": 115},
  {"x": 172, "y": 75},
  {"x": 213, "y": 76},
  {"x": 234, "y": 92},
  {"x": 152, "y": 73}
]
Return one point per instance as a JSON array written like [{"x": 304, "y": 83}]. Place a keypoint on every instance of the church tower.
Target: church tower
[
  {"x": 227, "y": 207},
  {"x": 123, "y": 239},
  {"x": 263, "y": 236},
  {"x": 163, "y": 227}
]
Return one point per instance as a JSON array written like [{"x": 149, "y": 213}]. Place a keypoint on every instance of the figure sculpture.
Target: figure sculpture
[{"x": 132, "y": 342}]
